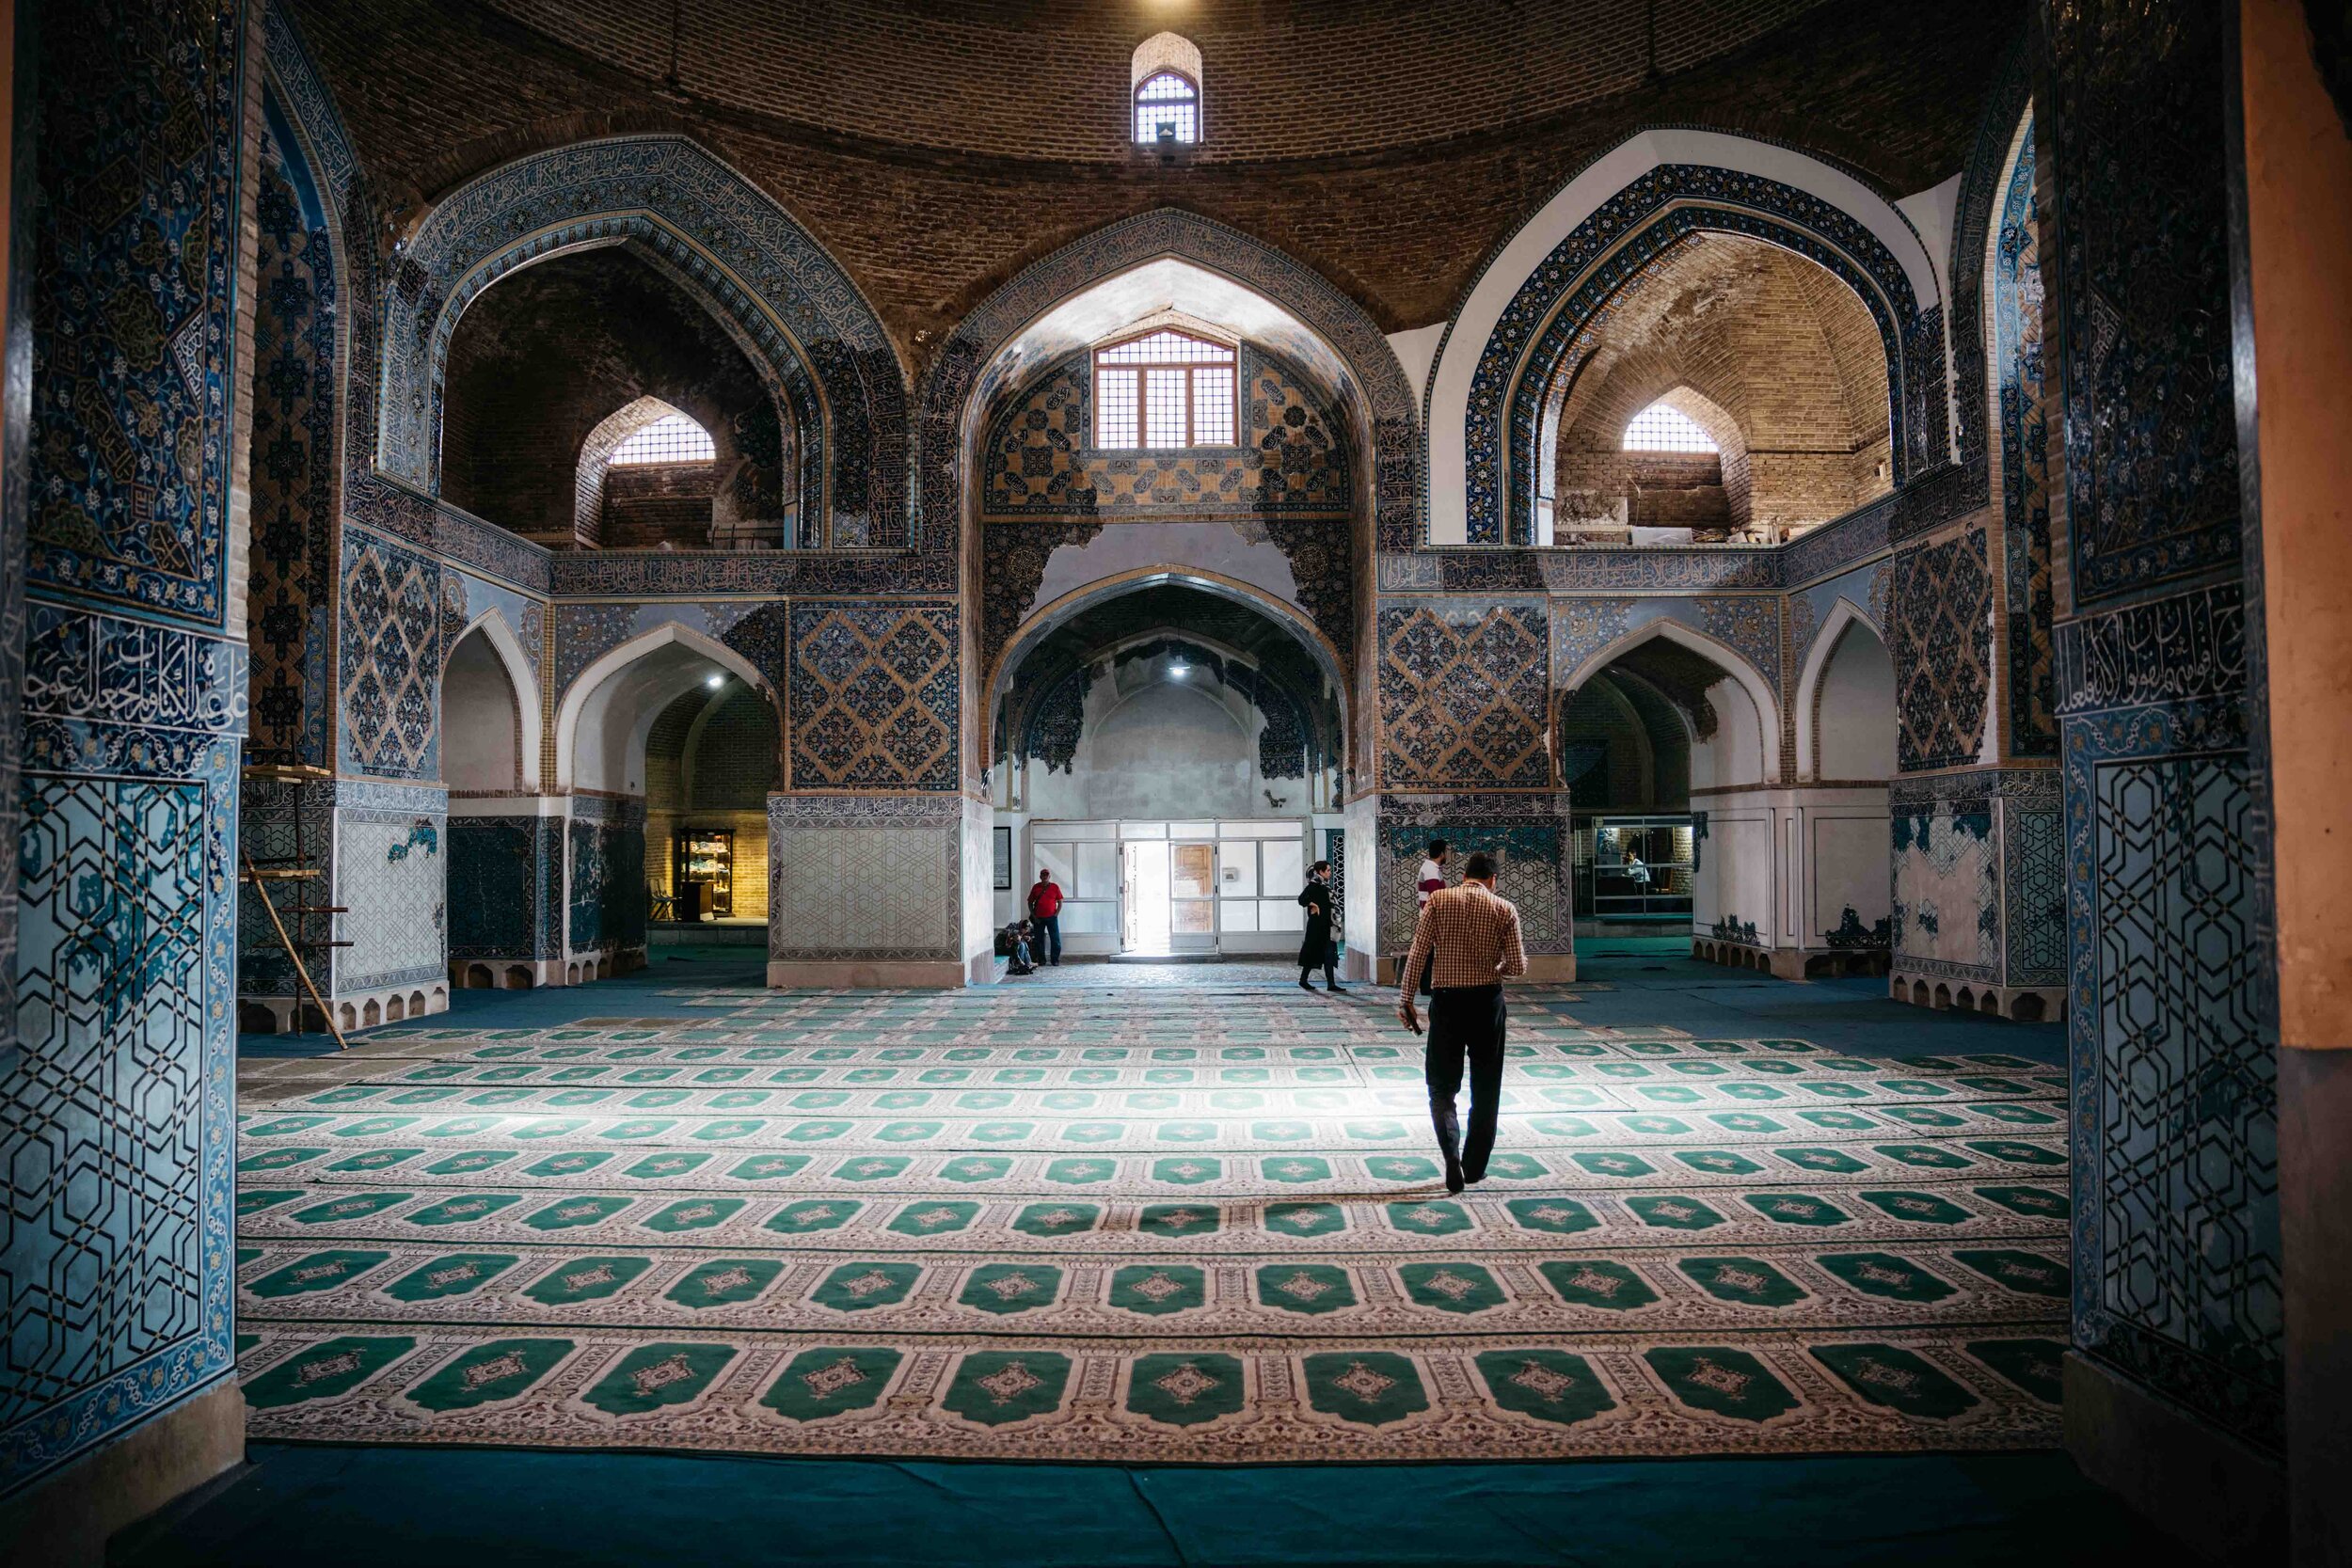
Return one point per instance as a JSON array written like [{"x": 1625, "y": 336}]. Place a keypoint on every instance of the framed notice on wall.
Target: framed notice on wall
[{"x": 1003, "y": 858}]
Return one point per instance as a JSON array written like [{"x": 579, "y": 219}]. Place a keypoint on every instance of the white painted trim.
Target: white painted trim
[
  {"x": 1734, "y": 665},
  {"x": 520, "y": 676},
  {"x": 610, "y": 664},
  {"x": 1843, "y": 613},
  {"x": 1474, "y": 323}
]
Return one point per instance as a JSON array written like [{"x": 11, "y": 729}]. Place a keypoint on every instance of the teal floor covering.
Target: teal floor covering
[{"x": 385, "y": 1504}]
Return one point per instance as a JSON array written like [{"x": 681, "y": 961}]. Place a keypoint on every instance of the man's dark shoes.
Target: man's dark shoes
[
  {"x": 1304, "y": 986},
  {"x": 1452, "y": 1178},
  {"x": 1334, "y": 986}
]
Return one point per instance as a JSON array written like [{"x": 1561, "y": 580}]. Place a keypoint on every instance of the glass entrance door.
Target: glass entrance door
[{"x": 1143, "y": 896}]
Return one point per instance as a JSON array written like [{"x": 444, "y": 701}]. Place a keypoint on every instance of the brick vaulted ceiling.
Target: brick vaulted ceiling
[{"x": 938, "y": 145}]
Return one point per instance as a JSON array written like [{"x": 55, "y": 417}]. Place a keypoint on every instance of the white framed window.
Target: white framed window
[
  {"x": 1661, "y": 427},
  {"x": 671, "y": 438},
  {"x": 1164, "y": 389},
  {"x": 1168, "y": 103}
]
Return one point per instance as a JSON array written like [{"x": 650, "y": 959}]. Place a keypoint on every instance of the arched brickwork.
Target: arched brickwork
[
  {"x": 966, "y": 377},
  {"x": 799, "y": 315},
  {"x": 1541, "y": 286}
]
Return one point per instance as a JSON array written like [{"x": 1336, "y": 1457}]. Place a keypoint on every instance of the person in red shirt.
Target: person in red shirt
[{"x": 1045, "y": 916}]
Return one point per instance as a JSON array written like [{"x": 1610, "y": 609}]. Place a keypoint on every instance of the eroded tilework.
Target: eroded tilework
[
  {"x": 799, "y": 314},
  {"x": 1465, "y": 695},
  {"x": 1536, "y": 331},
  {"x": 290, "y": 595},
  {"x": 392, "y": 657},
  {"x": 1529, "y": 837},
  {"x": 965, "y": 374},
  {"x": 1947, "y": 909},
  {"x": 607, "y": 874},
  {"x": 904, "y": 854},
  {"x": 1978, "y": 867},
  {"x": 391, "y": 869},
  {"x": 1040, "y": 459},
  {"x": 874, "y": 696},
  {"x": 114, "y": 1110},
  {"x": 2022, "y": 397},
  {"x": 1943, "y": 604}
]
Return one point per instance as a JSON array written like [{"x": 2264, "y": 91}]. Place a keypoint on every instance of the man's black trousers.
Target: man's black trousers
[{"x": 1465, "y": 1024}]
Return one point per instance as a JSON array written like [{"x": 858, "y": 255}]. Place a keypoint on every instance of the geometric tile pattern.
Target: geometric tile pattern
[
  {"x": 130, "y": 296},
  {"x": 723, "y": 239},
  {"x": 608, "y": 882},
  {"x": 115, "y": 1116},
  {"x": 291, "y": 594},
  {"x": 874, "y": 697},
  {"x": 104, "y": 1254},
  {"x": 2022, "y": 396},
  {"x": 972, "y": 367},
  {"x": 1942, "y": 648},
  {"x": 1048, "y": 1226},
  {"x": 907, "y": 902},
  {"x": 1041, "y": 460},
  {"x": 2171, "y": 991},
  {"x": 2186, "y": 1185},
  {"x": 505, "y": 887},
  {"x": 1535, "y": 868},
  {"x": 1533, "y": 336},
  {"x": 392, "y": 659},
  {"x": 1464, "y": 693},
  {"x": 2143, "y": 318}
]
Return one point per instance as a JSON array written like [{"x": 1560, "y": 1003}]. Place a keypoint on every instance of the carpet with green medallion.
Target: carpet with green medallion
[{"x": 1198, "y": 1223}]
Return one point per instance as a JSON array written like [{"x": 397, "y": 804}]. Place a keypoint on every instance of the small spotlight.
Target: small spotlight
[
  {"x": 1179, "y": 669},
  {"x": 715, "y": 682}
]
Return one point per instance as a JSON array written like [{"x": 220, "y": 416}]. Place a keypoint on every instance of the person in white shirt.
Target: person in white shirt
[{"x": 1430, "y": 880}]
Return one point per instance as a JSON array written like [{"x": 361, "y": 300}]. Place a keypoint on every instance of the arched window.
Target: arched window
[
  {"x": 671, "y": 438},
  {"x": 1166, "y": 82},
  {"x": 1164, "y": 388},
  {"x": 1663, "y": 427}
]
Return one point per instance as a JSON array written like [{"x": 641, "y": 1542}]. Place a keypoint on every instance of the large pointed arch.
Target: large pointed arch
[
  {"x": 970, "y": 369},
  {"x": 799, "y": 315},
  {"x": 668, "y": 634},
  {"x": 1734, "y": 665},
  {"x": 1041, "y": 623},
  {"x": 1497, "y": 356}
]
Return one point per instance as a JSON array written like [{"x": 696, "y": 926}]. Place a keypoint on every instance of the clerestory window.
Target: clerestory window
[
  {"x": 1162, "y": 389},
  {"x": 1663, "y": 427},
  {"x": 671, "y": 438}
]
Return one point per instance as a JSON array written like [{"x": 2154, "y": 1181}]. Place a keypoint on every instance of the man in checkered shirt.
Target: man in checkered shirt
[{"x": 1468, "y": 944}]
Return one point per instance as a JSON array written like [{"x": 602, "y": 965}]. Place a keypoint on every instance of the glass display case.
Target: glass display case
[
  {"x": 1641, "y": 868},
  {"x": 704, "y": 874}
]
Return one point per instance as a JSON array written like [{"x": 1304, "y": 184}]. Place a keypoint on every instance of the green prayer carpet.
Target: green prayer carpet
[{"x": 1105, "y": 1220}]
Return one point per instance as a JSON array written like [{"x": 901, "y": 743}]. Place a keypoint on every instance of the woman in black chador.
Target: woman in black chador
[{"x": 1317, "y": 951}]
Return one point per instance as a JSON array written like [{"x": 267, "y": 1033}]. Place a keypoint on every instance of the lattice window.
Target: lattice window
[
  {"x": 671, "y": 438},
  {"x": 1661, "y": 427},
  {"x": 1164, "y": 389},
  {"x": 1167, "y": 107}
]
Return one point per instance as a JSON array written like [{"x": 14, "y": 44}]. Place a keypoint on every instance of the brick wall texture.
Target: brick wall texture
[{"x": 938, "y": 148}]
